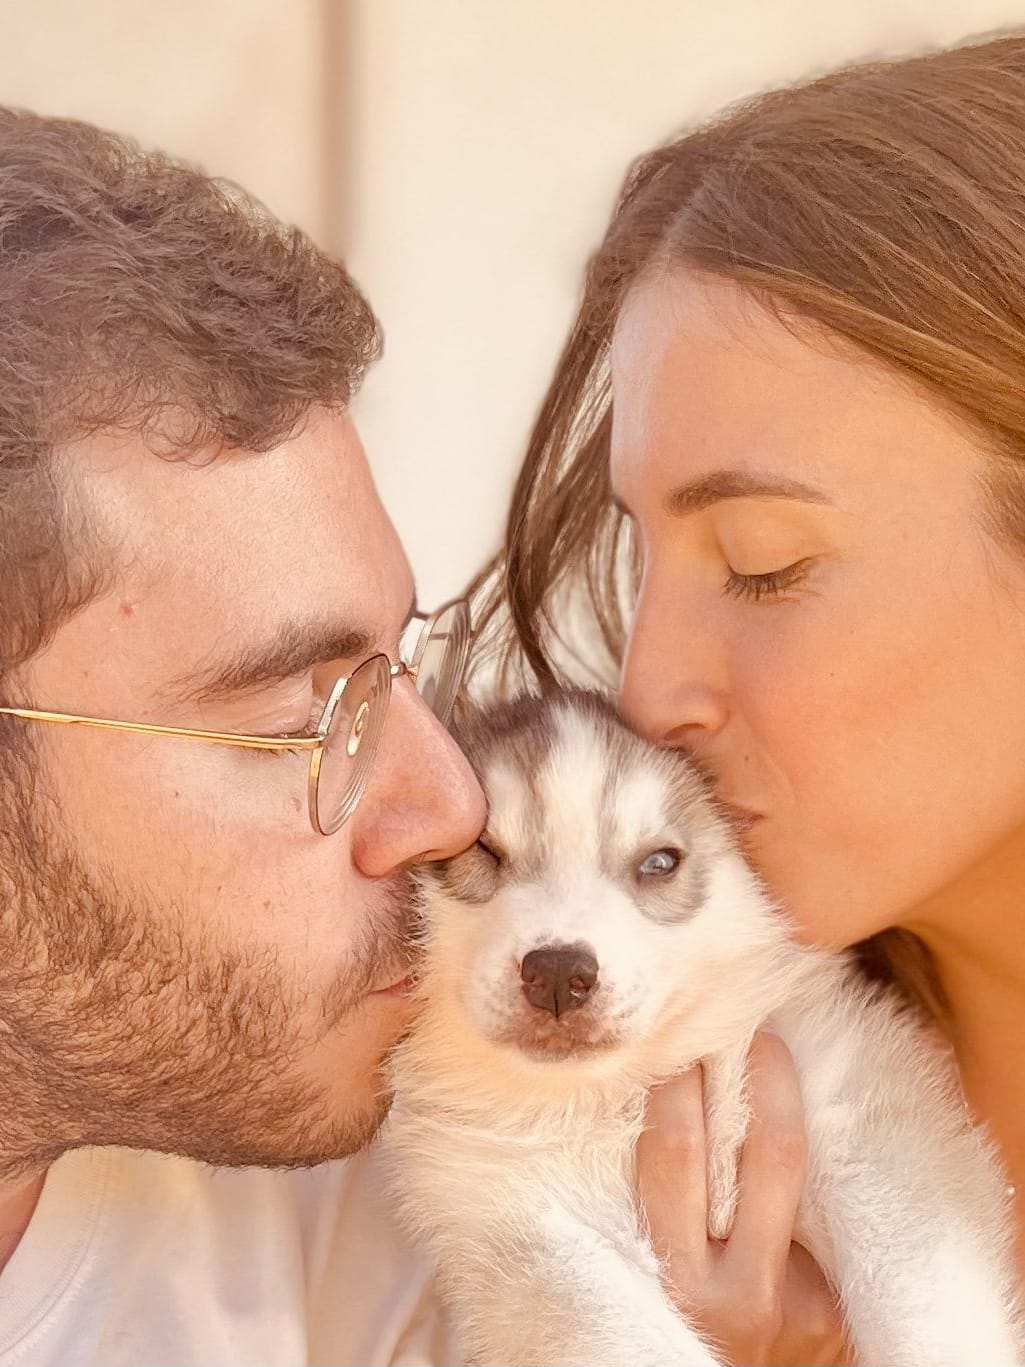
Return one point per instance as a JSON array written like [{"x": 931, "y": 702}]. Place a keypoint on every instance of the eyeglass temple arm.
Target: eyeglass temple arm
[{"x": 147, "y": 729}]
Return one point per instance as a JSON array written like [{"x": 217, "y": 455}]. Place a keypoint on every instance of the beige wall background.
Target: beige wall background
[{"x": 462, "y": 154}]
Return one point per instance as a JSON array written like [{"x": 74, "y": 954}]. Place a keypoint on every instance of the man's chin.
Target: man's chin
[
  {"x": 301, "y": 1140},
  {"x": 343, "y": 1141},
  {"x": 321, "y": 1105},
  {"x": 349, "y": 1079}
]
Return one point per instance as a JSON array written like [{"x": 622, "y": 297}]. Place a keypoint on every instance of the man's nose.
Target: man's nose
[
  {"x": 559, "y": 978},
  {"x": 423, "y": 801}
]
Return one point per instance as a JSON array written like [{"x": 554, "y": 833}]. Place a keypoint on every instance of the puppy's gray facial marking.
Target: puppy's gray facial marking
[
  {"x": 508, "y": 745},
  {"x": 626, "y": 798},
  {"x": 656, "y": 794},
  {"x": 675, "y": 898},
  {"x": 472, "y": 876},
  {"x": 519, "y": 730}
]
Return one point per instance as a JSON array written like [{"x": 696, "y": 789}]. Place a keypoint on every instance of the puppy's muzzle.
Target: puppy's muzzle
[{"x": 559, "y": 978}]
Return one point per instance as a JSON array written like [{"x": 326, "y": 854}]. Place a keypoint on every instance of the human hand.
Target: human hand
[{"x": 759, "y": 1297}]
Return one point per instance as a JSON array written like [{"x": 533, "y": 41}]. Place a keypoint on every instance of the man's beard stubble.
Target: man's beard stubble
[{"x": 116, "y": 1029}]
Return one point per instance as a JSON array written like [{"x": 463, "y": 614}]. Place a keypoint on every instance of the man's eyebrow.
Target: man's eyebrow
[
  {"x": 295, "y": 650},
  {"x": 720, "y": 485}
]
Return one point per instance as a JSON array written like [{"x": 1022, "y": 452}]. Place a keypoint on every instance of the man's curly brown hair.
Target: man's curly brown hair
[{"x": 138, "y": 294}]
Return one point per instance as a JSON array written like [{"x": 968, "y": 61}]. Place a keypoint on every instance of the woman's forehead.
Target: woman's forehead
[{"x": 705, "y": 379}]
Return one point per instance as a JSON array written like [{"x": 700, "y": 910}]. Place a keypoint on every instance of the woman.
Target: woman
[{"x": 794, "y": 400}]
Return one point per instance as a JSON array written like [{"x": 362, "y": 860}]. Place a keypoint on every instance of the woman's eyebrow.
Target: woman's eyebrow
[{"x": 720, "y": 485}]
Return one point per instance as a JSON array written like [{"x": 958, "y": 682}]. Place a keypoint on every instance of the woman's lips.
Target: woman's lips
[{"x": 740, "y": 817}]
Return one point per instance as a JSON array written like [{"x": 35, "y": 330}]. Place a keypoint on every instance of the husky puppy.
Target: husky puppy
[{"x": 604, "y": 934}]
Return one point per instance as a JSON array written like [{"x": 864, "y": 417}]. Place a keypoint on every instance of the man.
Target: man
[
  {"x": 216, "y": 771},
  {"x": 190, "y": 539}
]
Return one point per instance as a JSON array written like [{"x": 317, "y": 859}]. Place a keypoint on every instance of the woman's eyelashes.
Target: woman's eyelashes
[
  {"x": 774, "y": 584},
  {"x": 723, "y": 548}
]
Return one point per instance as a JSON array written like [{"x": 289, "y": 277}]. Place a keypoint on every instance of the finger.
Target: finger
[
  {"x": 672, "y": 1170},
  {"x": 771, "y": 1170},
  {"x": 812, "y": 1308}
]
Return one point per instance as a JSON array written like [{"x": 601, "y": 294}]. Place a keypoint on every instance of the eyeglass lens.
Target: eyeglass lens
[
  {"x": 356, "y": 723},
  {"x": 354, "y": 730},
  {"x": 439, "y": 671}
]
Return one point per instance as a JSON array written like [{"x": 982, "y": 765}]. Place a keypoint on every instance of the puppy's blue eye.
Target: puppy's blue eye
[{"x": 659, "y": 863}]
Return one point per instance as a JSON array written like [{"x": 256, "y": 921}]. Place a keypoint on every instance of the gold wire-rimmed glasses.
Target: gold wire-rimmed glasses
[{"x": 345, "y": 740}]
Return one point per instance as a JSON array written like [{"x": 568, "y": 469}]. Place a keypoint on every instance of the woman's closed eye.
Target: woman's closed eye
[{"x": 773, "y": 584}]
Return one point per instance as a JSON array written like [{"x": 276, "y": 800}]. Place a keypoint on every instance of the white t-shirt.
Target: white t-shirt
[{"x": 140, "y": 1260}]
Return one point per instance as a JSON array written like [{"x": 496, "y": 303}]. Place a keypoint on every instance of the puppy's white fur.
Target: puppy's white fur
[{"x": 513, "y": 1132}]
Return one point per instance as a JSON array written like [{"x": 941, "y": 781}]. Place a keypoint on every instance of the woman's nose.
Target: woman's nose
[
  {"x": 423, "y": 801},
  {"x": 671, "y": 686}
]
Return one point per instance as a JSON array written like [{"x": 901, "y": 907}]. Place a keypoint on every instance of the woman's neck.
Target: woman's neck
[
  {"x": 974, "y": 932},
  {"x": 985, "y": 987}
]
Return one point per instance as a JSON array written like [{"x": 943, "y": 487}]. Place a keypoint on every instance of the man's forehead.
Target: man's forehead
[{"x": 243, "y": 546}]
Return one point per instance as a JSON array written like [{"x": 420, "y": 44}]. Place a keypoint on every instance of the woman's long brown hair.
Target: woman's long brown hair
[{"x": 885, "y": 203}]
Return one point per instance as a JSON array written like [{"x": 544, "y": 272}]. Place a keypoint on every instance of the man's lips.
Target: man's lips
[{"x": 398, "y": 988}]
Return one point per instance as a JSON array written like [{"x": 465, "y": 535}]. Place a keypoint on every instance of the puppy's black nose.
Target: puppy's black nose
[{"x": 558, "y": 978}]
